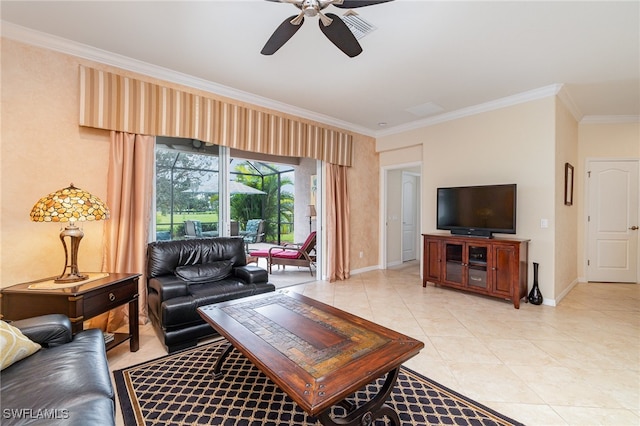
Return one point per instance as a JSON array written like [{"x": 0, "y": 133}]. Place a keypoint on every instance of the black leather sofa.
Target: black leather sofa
[
  {"x": 67, "y": 382},
  {"x": 183, "y": 275}
]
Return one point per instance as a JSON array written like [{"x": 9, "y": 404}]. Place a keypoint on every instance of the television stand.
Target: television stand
[{"x": 494, "y": 267}]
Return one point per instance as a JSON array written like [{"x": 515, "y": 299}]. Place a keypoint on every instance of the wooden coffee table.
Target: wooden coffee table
[{"x": 317, "y": 354}]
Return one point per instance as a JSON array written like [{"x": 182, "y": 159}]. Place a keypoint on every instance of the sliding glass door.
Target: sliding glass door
[
  {"x": 208, "y": 191},
  {"x": 187, "y": 190}
]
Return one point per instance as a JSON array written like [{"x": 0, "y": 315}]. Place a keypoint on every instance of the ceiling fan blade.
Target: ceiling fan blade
[
  {"x": 281, "y": 35},
  {"x": 286, "y": 1},
  {"x": 352, "y": 4},
  {"x": 341, "y": 36}
]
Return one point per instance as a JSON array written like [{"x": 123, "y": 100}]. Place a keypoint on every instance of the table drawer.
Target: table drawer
[{"x": 119, "y": 294}]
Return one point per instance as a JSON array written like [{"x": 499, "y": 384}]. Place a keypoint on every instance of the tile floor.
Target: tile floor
[{"x": 574, "y": 364}]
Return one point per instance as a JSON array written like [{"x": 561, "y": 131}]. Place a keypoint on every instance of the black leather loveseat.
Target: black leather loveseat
[
  {"x": 67, "y": 382},
  {"x": 183, "y": 275}
]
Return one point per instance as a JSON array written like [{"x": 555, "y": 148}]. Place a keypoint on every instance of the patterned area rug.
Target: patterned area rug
[{"x": 179, "y": 389}]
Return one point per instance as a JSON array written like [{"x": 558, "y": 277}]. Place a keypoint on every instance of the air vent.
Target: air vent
[{"x": 358, "y": 26}]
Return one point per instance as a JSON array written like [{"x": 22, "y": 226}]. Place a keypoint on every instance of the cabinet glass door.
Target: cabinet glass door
[
  {"x": 453, "y": 263},
  {"x": 477, "y": 270}
]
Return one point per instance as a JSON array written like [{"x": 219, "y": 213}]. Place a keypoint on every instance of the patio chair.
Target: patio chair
[
  {"x": 254, "y": 231},
  {"x": 291, "y": 254},
  {"x": 193, "y": 229}
]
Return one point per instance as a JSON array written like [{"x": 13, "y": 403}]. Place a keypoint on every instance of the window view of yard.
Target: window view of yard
[{"x": 188, "y": 196}]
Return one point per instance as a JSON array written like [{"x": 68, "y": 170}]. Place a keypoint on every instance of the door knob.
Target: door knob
[{"x": 633, "y": 228}]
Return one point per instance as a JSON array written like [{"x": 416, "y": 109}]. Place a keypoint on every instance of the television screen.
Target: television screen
[{"x": 477, "y": 210}]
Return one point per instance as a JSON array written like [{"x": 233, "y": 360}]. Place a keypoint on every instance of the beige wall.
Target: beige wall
[
  {"x": 43, "y": 149},
  {"x": 610, "y": 141},
  {"x": 509, "y": 145},
  {"x": 527, "y": 144},
  {"x": 363, "y": 204},
  {"x": 566, "y": 217},
  {"x": 302, "y": 195}
]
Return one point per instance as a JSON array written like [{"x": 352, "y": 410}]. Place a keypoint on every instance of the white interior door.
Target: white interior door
[
  {"x": 612, "y": 221},
  {"x": 409, "y": 216}
]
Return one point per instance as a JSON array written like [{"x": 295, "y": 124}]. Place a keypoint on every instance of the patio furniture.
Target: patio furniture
[
  {"x": 254, "y": 231},
  {"x": 193, "y": 229},
  {"x": 291, "y": 254}
]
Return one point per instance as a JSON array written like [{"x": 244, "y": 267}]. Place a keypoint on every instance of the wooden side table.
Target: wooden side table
[{"x": 79, "y": 302}]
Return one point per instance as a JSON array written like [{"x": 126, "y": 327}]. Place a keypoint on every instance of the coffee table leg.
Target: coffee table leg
[
  {"x": 369, "y": 411},
  {"x": 225, "y": 353}
]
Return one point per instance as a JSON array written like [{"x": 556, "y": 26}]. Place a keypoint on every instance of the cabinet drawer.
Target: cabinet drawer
[
  {"x": 103, "y": 301},
  {"x": 477, "y": 278}
]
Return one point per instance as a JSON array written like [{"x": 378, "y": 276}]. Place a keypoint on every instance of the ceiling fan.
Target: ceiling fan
[{"x": 330, "y": 24}]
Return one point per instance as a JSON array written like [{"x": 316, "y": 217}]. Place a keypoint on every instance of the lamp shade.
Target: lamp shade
[
  {"x": 311, "y": 210},
  {"x": 70, "y": 204}
]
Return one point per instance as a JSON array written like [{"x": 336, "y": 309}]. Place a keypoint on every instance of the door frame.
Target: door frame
[
  {"x": 384, "y": 170},
  {"x": 587, "y": 236}
]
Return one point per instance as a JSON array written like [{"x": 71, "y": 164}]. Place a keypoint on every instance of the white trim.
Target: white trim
[
  {"x": 392, "y": 264},
  {"x": 321, "y": 214},
  {"x": 62, "y": 45},
  {"x": 610, "y": 119},
  {"x": 568, "y": 101},
  {"x": 365, "y": 269},
  {"x": 520, "y": 98},
  {"x": 558, "y": 299},
  {"x": 382, "y": 251}
]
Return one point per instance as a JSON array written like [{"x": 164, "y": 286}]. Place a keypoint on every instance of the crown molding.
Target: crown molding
[
  {"x": 62, "y": 45},
  {"x": 567, "y": 100},
  {"x": 520, "y": 98},
  {"x": 610, "y": 119}
]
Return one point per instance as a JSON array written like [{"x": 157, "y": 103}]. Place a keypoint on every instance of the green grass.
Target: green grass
[
  {"x": 163, "y": 221},
  {"x": 180, "y": 218}
]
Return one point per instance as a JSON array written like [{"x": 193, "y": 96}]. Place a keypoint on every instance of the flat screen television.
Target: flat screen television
[{"x": 477, "y": 210}]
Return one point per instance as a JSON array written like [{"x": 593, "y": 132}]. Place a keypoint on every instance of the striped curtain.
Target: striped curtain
[{"x": 114, "y": 102}]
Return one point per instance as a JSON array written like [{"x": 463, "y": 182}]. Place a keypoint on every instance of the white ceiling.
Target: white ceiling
[{"x": 460, "y": 56}]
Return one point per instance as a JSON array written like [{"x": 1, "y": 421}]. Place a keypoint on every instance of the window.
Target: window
[
  {"x": 187, "y": 190},
  {"x": 191, "y": 201}
]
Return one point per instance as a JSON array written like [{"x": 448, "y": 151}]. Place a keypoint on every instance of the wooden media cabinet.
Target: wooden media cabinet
[{"x": 494, "y": 267}]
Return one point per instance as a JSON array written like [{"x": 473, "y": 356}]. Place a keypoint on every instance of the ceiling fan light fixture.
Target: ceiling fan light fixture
[
  {"x": 325, "y": 19},
  {"x": 332, "y": 26},
  {"x": 309, "y": 12},
  {"x": 298, "y": 19}
]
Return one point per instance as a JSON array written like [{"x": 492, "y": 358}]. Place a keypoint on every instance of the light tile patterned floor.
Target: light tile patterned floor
[{"x": 574, "y": 364}]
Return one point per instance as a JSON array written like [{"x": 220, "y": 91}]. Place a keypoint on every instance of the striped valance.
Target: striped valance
[{"x": 114, "y": 102}]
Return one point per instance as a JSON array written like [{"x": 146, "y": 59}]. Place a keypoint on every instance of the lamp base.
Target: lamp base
[
  {"x": 70, "y": 278},
  {"x": 75, "y": 234}
]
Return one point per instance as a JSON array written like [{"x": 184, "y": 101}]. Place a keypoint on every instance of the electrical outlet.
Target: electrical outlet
[
  {"x": 361, "y": 254},
  {"x": 544, "y": 223}
]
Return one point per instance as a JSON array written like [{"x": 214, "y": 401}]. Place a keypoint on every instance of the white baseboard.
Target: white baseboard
[
  {"x": 565, "y": 292},
  {"x": 367, "y": 269}
]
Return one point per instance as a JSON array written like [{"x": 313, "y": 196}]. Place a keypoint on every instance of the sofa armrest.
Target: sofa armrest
[
  {"x": 47, "y": 330},
  {"x": 168, "y": 287},
  {"x": 251, "y": 274}
]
